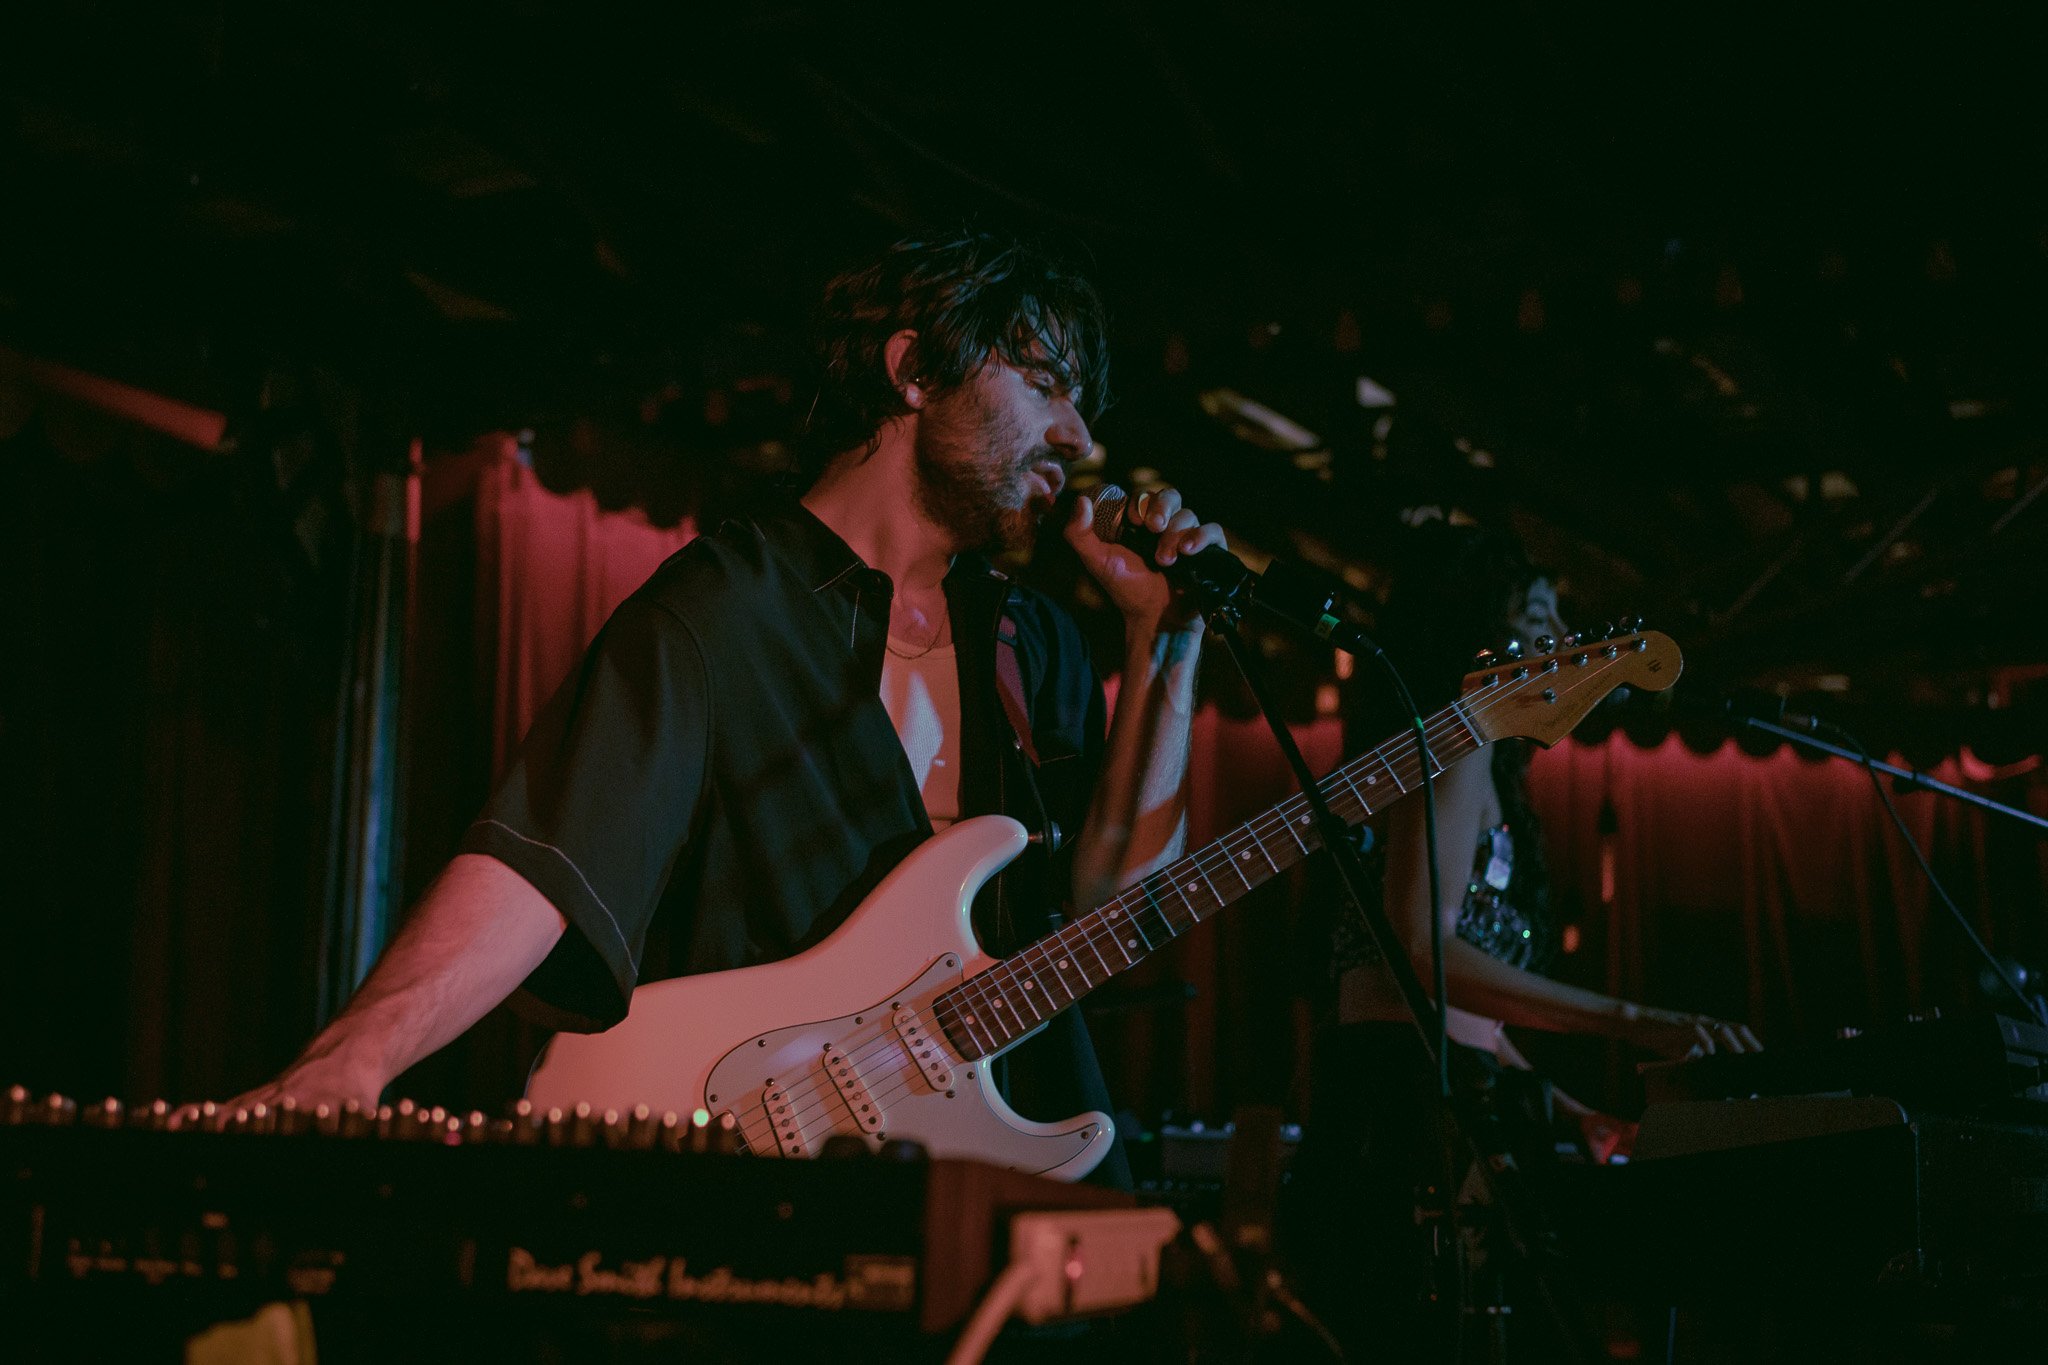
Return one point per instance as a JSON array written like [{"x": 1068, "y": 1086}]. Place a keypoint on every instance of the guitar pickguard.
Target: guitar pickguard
[
  {"x": 803, "y": 1084},
  {"x": 888, "y": 1071}
]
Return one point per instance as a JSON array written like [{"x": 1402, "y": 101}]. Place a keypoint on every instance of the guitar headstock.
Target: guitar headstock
[{"x": 1543, "y": 696}]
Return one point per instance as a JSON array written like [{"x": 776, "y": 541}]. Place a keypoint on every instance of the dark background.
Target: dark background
[{"x": 1733, "y": 314}]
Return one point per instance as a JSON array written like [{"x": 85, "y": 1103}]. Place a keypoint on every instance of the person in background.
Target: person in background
[{"x": 1371, "y": 1141}]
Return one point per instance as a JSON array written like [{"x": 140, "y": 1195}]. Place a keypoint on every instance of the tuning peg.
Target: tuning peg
[
  {"x": 1544, "y": 644},
  {"x": 1483, "y": 659},
  {"x": 1628, "y": 625},
  {"x": 1513, "y": 648}
]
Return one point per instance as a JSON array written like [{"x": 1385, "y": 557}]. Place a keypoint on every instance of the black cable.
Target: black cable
[{"x": 1955, "y": 911}]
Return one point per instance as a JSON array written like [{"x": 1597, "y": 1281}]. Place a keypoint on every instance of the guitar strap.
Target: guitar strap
[
  {"x": 1010, "y": 690},
  {"x": 1010, "y": 686}
]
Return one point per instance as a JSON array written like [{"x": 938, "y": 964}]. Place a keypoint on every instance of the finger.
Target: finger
[
  {"x": 1704, "y": 1038},
  {"x": 1749, "y": 1037},
  {"x": 1207, "y": 536},
  {"x": 1160, "y": 507},
  {"x": 1173, "y": 540},
  {"x": 1081, "y": 519}
]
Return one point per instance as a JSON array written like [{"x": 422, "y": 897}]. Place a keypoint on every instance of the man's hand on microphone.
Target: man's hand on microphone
[{"x": 1148, "y": 600}]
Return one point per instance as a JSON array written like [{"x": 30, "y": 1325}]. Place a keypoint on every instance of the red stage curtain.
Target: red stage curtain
[
  {"x": 556, "y": 565},
  {"x": 1774, "y": 888}
]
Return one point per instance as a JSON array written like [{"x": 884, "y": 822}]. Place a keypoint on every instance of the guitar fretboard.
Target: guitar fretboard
[{"x": 990, "y": 1011}]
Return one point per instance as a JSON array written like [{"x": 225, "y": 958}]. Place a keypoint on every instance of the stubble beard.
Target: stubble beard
[{"x": 980, "y": 500}]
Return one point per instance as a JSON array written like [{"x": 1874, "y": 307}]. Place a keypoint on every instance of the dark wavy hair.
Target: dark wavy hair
[
  {"x": 969, "y": 296},
  {"x": 1452, "y": 591}
]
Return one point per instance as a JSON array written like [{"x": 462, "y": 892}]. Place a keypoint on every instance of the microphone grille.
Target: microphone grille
[{"x": 1109, "y": 512}]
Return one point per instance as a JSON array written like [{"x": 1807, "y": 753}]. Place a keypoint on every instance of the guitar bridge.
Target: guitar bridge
[
  {"x": 924, "y": 1050},
  {"x": 846, "y": 1080}
]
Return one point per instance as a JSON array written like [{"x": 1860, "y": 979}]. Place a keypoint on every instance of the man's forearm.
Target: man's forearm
[
  {"x": 480, "y": 930},
  {"x": 1137, "y": 821}
]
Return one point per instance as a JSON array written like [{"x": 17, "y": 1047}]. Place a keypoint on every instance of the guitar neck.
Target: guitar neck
[{"x": 989, "y": 1012}]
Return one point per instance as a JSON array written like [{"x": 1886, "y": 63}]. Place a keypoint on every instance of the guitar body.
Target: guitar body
[{"x": 839, "y": 1039}]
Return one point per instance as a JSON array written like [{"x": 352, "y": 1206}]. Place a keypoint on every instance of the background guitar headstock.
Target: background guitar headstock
[{"x": 1544, "y": 695}]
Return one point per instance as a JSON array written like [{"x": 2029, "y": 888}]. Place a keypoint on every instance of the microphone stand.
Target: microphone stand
[
  {"x": 1909, "y": 778},
  {"x": 1223, "y": 599},
  {"x": 1919, "y": 781}
]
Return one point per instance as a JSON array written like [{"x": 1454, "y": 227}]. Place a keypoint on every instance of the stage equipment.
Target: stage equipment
[
  {"x": 108, "y": 1210},
  {"x": 1955, "y": 1062},
  {"x": 1891, "y": 1177}
]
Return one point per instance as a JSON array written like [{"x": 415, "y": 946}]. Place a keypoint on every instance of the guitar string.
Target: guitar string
[
  {"x": 863, "y": 1053},
  {"x": 811, "y": 1097}
]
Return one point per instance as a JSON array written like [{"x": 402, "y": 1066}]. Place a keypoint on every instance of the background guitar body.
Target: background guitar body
[{"x": 819, "y": 1044}]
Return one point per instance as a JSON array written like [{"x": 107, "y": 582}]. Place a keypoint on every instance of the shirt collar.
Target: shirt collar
[{"x": 820, "y": 558}]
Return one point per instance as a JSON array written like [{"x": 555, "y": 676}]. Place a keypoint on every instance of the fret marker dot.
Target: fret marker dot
[
  {"x": 1061, "y": 964},
  {"x": 1029, "y": 984},
  {"x": 1370, "y": 779},
  {"x": 1130, "y": 943},
  {"x": 1191, "y": 886}
]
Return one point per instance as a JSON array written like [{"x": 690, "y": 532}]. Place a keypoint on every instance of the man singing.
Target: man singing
[{"x": 790, "y": 704}]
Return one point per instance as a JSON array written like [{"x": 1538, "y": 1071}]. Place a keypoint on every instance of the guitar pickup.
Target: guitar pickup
[
  {"x": 782, "y": 1118},
  {"x": 846, "y": 1080},
  {"x": 924, "y": 1050}
]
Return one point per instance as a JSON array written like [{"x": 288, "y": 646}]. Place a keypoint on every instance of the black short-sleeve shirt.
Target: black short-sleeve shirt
[{"x": 718, "y": 784}]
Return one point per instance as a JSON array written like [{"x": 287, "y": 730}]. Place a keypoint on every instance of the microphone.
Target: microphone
[
  {"x": 1215, "y": 568},
  {"x": 1741, "y": 707},
  {"x": 1289, "y": 593},
  {"x": 1750, "y": 704}
]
